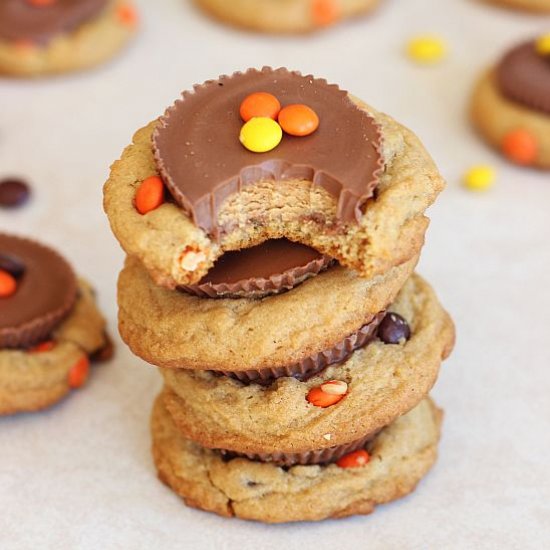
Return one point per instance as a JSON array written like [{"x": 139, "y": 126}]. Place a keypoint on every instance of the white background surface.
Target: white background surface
[{"x": 81, "y": 475}]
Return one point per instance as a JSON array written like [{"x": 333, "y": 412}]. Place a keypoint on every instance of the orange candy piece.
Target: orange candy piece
[
  {"x": 319, "y": 398},
  {"x": 8, "y": 284},
  {"x": 325, "y": 12},
  {"x": 48, "y": 345},
  {"x": 41, "y": 3},
  {"x": 79, "y": 373},
  {"x": 127, "y": 15},
  {"x": 520, "y": 146},
  {"x": 259, "y": 104},
  {"x": 150, "y": 194},
  {"x": 298, "y": 120},
  {"x": 354, "y": 460}
]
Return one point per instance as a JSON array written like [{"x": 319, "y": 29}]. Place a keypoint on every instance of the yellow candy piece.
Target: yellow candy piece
[
  {"x": 261, "y": 134},
  {"x": 426, "y": 49},
  {"x": 480, "y": 178},
  {"x": 543, "y": 44}
]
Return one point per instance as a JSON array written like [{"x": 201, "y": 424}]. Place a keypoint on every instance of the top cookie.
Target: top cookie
[{"x": 187, "y": 190}]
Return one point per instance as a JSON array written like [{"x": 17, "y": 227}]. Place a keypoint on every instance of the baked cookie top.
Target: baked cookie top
[
  {"x": 39, "y": 21},
  {"x": 245, "y": 334}
]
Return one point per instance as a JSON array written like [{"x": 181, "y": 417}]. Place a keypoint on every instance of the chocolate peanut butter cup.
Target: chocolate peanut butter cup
[
  {"x": 46, "y": 290},
  {"x": 269, "y": 268},
  {"x": 198, "y": 153},
  {"x": 40, "y": 22},
  {"x": 319, "y": 456},
  {"x": 523, "y": 76},
  {"x": 314, "y": 364}
]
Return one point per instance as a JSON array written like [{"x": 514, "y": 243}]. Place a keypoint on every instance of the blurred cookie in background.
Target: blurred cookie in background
[
  {"x": 291, "y": 16},
  {"x": 40, "y": 37},
  {"x": 511, "y": 104}
]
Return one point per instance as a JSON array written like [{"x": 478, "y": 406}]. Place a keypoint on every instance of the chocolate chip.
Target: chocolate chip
[
  {"x": 13, "y": 192},
  {"x": 12, "y": 265},
  {"x": 393, "y": 329}
]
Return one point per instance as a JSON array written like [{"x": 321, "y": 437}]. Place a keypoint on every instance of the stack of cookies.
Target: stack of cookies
[{"x": 272, "y": 224}]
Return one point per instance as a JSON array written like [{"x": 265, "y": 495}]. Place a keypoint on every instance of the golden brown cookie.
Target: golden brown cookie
[
  {"x": 36, "y": 378},
  {"x": 527, "y": 5},
  {"x": 177, "y": 330},
  {"x": 383, "y": 381},
  {"x": 290, "y": 16},
  {"x": 91, "y": 43},
  {"x": 400, "y": 456},
  {"x": 510, "y": 106},
  {"x": 369, "y": 215}
]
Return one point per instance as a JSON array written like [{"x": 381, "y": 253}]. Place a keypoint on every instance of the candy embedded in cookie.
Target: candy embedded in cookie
[
  {"x": 269, "y": 268},
  {"x": 511, "y": 105},
  {"x": 49, "y": 36},
  {"x": 49, "y": 326}
]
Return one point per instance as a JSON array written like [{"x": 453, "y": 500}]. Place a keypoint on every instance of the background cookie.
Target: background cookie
[
  {"x": 292, "y": 16},
  {"x": 39, "y": 377},
  {"x": 529, "y": 5},
  {"x": 90, "y": 43}
]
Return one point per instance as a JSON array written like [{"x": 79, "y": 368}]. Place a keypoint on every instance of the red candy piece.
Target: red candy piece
[
  {"x": 150, "y": 195},
  {"x": 79, "y": 373},
  {"x": 48, "y": 345},
  {"x": 354, "y": 460},
  {"x": 520, "y": 146},
  {"x": 41, "y": 3},
  {"x": 127, "y": 15},
  {"x": 325, "y": 12},
  {"x": 8, "y": 284},
  {"x": 298, "y": 120},
  {"x": 319, "y": 398},
  {"x": 260, "y": 104}
]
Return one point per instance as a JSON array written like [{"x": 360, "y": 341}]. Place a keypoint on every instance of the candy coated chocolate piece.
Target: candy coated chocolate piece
[
  {"x": 13, "y": 192},
  {"x": 393, "y": 329}
]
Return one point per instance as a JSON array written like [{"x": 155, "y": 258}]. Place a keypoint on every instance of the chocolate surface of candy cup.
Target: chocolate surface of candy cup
[
  {"x": 310, "y": 366},
  {"x": 46, "y": 293},
  {"x": 260, "y": 287}
]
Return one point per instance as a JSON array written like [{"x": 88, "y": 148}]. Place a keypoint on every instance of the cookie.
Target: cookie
[
  {"x": 368, "y": 215},
  {"x": 292, "y": 16},
  {"x": 242, "y": 335},
  {"x": 527, "y": 5},
  {"x": 400, "y": 456},
  {"x": 37, "y": 377},
  {"x": 40, "y": 38},
  {"x": 510, "y": 106},
  {"x": 381, "y": 382}
]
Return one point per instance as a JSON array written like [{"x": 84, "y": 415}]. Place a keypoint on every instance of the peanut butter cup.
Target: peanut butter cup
[
  {"x": 319, "y": 456},
  {"x": 198, "y": 153},
  {"x": 266, "y": 269},
  {"x": 314, "y": 364},
  {"x": 523, "y": 76},
  {"x": 45, "y": 293}
]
